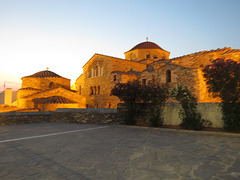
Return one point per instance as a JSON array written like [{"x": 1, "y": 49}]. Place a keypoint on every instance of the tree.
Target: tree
[{"x": 223, "y": 80}]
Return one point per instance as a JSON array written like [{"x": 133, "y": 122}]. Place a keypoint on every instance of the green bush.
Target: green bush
[{"x": 191, "y": 119}]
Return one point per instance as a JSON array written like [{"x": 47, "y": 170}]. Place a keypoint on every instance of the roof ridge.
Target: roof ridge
[{"x": 207, "y": 52}]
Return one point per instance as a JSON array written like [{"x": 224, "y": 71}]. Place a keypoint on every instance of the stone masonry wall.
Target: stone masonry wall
[
  {"x": 209, "y": 111},
  {"x": 104, "y": 81},
  {"x": 89, "y": 116}
]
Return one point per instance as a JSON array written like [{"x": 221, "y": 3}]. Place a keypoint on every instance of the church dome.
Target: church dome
[
  {"x": 45, "y": 74},
  {"x": 146, "y": 45}
]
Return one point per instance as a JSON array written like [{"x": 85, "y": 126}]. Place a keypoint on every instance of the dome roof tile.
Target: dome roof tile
[
  {"x": 146, "y": 45},
  {"x": 45, "y": 74}
]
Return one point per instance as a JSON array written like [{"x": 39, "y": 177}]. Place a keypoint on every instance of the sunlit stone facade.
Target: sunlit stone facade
[
  {"x": 146, "y": 61},
  {"x": 47, "y": 91}
]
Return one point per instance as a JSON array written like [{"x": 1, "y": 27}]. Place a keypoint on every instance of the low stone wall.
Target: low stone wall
[
  {"x": 209, "y": 111},
  {"x": 99, "y": 116}
]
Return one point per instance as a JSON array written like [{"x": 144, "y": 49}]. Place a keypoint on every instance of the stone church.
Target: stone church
[
  {"x": 47, "y": 91},
  {"x": 144, "y": 62}
]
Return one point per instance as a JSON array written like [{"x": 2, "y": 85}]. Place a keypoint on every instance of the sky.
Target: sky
[{"x": 64, "y": 34}]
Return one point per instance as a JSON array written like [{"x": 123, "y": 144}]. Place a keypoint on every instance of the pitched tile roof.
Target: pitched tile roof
[
  {"x": 54, "y": 100},
  {"x": 29, "y": 88}
]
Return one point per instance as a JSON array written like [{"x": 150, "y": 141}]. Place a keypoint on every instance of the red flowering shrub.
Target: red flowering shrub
[
  {"x": 223, "y": 79},
  {"x": 133, "y": 92}
]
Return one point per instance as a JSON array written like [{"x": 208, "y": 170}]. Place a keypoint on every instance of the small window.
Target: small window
[
  {"x": 155, "y": 57},
  {"x": 96, "y": 70},
  {"x": 91, "y": 90},
  {"x": 101, "y": 69},
  {"x": 80, "y": 90},
  {"x": 51, "y": 85},
  {"x": 114, "y": 77},
  {"x": 109, "y": 105},
  {"x": 90, "y": 73},
  {"x": 143, "y": 81},
  {"x": 168, "y": 76},
  {"x": 95, "y": 90},
  {"x": 98, "y": 90},
  {"x": 148, "y": 55}
]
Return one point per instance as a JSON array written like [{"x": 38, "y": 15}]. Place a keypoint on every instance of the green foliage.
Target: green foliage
[
  {"x": 156, "y": 95},
  {"x": 223, "y": 80},
  {"x": 191, "y": 119},
  {"x": 231, "y": 116},
  {"x": 133, "y": 92}
]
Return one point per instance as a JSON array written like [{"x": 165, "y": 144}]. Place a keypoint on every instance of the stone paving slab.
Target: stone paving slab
[{"x": 92, "y": 152}]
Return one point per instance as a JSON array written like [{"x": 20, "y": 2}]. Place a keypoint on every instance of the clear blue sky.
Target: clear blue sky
[{"x": 64, "y": 34}]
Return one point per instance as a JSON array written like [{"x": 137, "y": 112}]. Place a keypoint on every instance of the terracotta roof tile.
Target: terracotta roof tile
[
  {"x": 54, "y": 100},
  {"x": 146, "y": 45},
  {"x": 45, "y": 74},
  {"x": 29, "y": 88}
]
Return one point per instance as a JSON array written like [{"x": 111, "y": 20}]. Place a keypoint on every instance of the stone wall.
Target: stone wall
[
  {"x": 103, "y": 82},
  {"x": 43, "y": 83},
  {"x": 99, "y": 116},
  {"x": 139, "y": 54},
  {"x": 209, "y": 111}
]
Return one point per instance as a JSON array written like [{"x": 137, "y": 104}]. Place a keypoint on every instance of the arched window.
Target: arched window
[
  {"x": 96, "y": 70},
  {"x": 168, "y": 76},
  {"x": 90, "y": 72},
  {"x": 51, "y": 85},
  {"x": 148, "y": 56},
  {"x": 91, "y": 90},
  {"x": 101, "y": 69},
  {"x": 95, "y": 90},
  {"x": 98, "y": 90}
]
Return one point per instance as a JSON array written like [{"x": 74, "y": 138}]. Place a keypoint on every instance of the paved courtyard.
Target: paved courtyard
[{"x": 77, "y": 151}]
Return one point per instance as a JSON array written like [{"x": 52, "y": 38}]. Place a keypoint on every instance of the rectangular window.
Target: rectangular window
[
  {"x": 114, "y": 77},
  {"x": 80, "y": 90}
]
